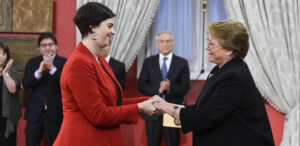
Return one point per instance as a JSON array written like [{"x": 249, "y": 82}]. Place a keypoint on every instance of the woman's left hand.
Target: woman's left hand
[{"x": 177, "y": 121}]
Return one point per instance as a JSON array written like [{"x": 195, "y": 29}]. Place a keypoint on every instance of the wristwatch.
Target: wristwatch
[{"x": 174, "y": 110}]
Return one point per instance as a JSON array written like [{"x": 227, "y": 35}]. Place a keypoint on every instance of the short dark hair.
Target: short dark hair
[
  {"x": 91, "y": 15},
  {"x": 46, "y": 35},
  {"x": 6, "y": 50}
]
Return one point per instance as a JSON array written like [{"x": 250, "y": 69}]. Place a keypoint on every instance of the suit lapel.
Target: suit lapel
[
  {"x": 157, "y": 67},
  {"x": 106, "y": 67},
  {"x": 55, "y": 60},
  {"x": 109, "y": 70},
  {"x": 205, "y": 90},
  {"x": 172, "y": 66},
  {"x": 40, "y": 59}
]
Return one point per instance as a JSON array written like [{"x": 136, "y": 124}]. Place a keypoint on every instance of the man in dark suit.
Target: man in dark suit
[
  {"x": 117, "y": 66},
  {"x": 167, "y": 75},
  {"x": 44, "y": 107}
]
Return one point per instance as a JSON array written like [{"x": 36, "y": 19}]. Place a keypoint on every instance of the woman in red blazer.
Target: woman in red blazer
[{"x": 93, "y": 103}]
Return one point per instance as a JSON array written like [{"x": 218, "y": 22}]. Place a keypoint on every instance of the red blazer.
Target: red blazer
[{"x": 89, "y": 98}]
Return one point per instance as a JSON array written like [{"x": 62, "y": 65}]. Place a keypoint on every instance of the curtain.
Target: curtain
[
  {"x": 187, "y": 22},
  {"x": 273, "y": 58},
  {"x": 132, "y": 22}
]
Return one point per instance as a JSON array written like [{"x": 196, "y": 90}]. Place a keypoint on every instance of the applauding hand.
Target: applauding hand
[{"x": 8, "y": 66}]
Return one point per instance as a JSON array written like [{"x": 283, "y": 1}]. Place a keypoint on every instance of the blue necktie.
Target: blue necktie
[
  {"x": 164, "y": 69},
  {"x": 164, "y": 72}
]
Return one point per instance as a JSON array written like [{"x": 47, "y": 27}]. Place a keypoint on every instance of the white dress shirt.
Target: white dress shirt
[{"x": 168, "y": 61}]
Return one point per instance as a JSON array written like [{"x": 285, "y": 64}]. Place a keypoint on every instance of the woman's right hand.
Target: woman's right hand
[
  {"x": 146, "y": 107},
  {"x": 159, "y": 104}
]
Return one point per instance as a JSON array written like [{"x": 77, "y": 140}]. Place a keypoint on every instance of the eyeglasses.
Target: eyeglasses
[
  {"x": 211, "y": 45},
  {"x": 50, "y": 45}
]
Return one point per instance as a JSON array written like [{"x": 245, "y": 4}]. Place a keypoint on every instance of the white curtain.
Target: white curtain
[
  {"x": 187, "y": 21},
  {"x": 273, "y": 58},
  {"x": 132, "y": 22}
]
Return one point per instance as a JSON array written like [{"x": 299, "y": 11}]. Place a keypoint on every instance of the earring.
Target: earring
[
  {"x": 228, "y": 57},
  {"x": 94, "y": 35}
]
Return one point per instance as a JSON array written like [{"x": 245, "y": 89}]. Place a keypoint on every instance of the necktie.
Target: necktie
[
  {"x": 164, "y": 69},
  {"x": 164, "y": 72}
]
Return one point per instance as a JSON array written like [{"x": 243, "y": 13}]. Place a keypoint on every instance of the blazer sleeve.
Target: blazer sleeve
[
  {"x": 134, "y": 100},
  {"x": 182, "y": 85},
  {"x": 29, "y": 79},
  {"x": 144, "y": 84},
  {"x": 82, "y": 82},
  {"x": 221, "y": 104}
]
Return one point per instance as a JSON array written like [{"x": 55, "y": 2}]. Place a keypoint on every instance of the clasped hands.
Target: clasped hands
[
  {"x": 46, "y": 64},
  {"x": 164, "y": 86},
  {"x": 157, "y": 105}
]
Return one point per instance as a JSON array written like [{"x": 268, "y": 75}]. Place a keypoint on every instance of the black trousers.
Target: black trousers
[
  {"x": 154, "y": 133},
  {"x": 35, "y": 131},
  {"x": 11, "y": 140}
]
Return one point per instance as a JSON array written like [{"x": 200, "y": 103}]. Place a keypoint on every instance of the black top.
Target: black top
[{"x": 229, "y": 110}]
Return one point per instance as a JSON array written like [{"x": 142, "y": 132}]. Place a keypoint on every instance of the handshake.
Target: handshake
[{"x": 157, "y": 105}]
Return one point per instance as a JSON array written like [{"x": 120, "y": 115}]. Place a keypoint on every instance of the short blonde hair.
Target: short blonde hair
[{"x": 233, "y": 36}]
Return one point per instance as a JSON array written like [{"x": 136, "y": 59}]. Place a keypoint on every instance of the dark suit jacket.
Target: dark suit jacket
[
  {"x": 47, "y": 86},
  {"x": 229, "y": 110},
  {"x": 151, "y": 76},
  {"x": 119, "y": 70}
]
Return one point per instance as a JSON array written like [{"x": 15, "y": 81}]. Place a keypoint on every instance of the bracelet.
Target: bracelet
[{"x": 174, "y": 110}]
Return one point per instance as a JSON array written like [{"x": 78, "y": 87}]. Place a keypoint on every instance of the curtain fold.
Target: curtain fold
[
  {"x": 274, "y": 54},
  {"x": 132, "y": 23}
]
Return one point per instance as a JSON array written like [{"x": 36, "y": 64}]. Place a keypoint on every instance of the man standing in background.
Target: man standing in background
[
  {"x": 167, "y": 75},
  {"x": 44, "y": 107}
]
